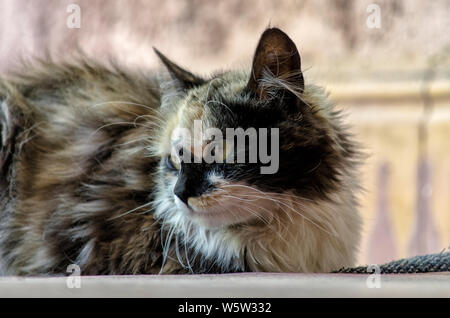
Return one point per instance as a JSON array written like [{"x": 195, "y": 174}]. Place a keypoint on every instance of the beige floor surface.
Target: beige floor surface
[{"x": 231, "y": 285}]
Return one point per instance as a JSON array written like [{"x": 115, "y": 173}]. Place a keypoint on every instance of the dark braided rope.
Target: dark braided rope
[{"x": 439, "y": 262}]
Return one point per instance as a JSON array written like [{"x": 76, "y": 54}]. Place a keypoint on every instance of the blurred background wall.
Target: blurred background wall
[{"x": 391, "y": 76}]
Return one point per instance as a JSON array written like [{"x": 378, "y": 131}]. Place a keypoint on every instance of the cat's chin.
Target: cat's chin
[{"x": 209, "y": 218}]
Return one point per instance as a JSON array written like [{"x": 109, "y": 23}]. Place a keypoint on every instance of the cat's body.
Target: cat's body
[{"x": 85, "y": 178}]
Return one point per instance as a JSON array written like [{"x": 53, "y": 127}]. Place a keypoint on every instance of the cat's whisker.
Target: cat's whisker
[
  {"x": 147, "y": 211},
  {"x": 280, "y": 201},
  {"x": 230, "y": 211},
  {"x": 116, "y": 123},
  {"x": 161, "y": 235},
  {"x": 220, "y": 103},
  {"x": 305, "y": 217},
  {"x": 153, "y": 118},
  {"x": 130, "y": 211},
  {"x": 177, "y": 247},
  {"x": 110, "y": 124},
  {"x": 263, "y": 192},
  {"x": 273, "y": 214},
  {"x": 257, "y": 215},
  {"x": 257, "y": 198},
  {"x": 274, "y": 230},
  {"x": 148, "y": 138},
  {"x": 186, "y": 235},
  {"x": 246, "y": 200},
  {"x": 166, "y": 245},
  {"x": 242, "y": 199},
  {"x": 177, "y": 253},
  {"x": 277, "y": 200},
  {"x": 266, "y": 222}
]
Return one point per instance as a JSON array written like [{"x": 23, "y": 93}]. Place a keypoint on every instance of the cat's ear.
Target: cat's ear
[
  {"x": 182, "y": 78},
  {"x": 276, "y": 57}
]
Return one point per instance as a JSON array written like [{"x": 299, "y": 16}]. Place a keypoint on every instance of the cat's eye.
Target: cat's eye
[{"x": 172, "y": 162}]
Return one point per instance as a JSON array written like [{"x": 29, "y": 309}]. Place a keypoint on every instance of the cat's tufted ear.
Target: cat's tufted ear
[
  {"x": 183, "y": 78},
  {"x": 276, "y": 57}
]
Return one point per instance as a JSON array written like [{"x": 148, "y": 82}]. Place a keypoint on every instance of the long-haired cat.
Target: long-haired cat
[{"x": 92, "y": 171}]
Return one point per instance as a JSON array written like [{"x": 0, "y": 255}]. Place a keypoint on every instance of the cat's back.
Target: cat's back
[
  {"x": 68, "y": 99},
  {"x": 77, "y": 84}
]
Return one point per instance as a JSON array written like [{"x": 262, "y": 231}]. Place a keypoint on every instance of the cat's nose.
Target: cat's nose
[
  {"x": 191, "y": 182},
  {"x": 184, "y": 189},
  {"x": 182, "y": 195}
]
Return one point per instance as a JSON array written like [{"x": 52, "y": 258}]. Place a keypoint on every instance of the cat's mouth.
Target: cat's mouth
[
  {"x": 226, "y": 210},
  {"x": 208, "y": 217}
]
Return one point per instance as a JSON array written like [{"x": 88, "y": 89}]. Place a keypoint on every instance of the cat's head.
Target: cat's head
[{"x": 287, "y": 149}]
